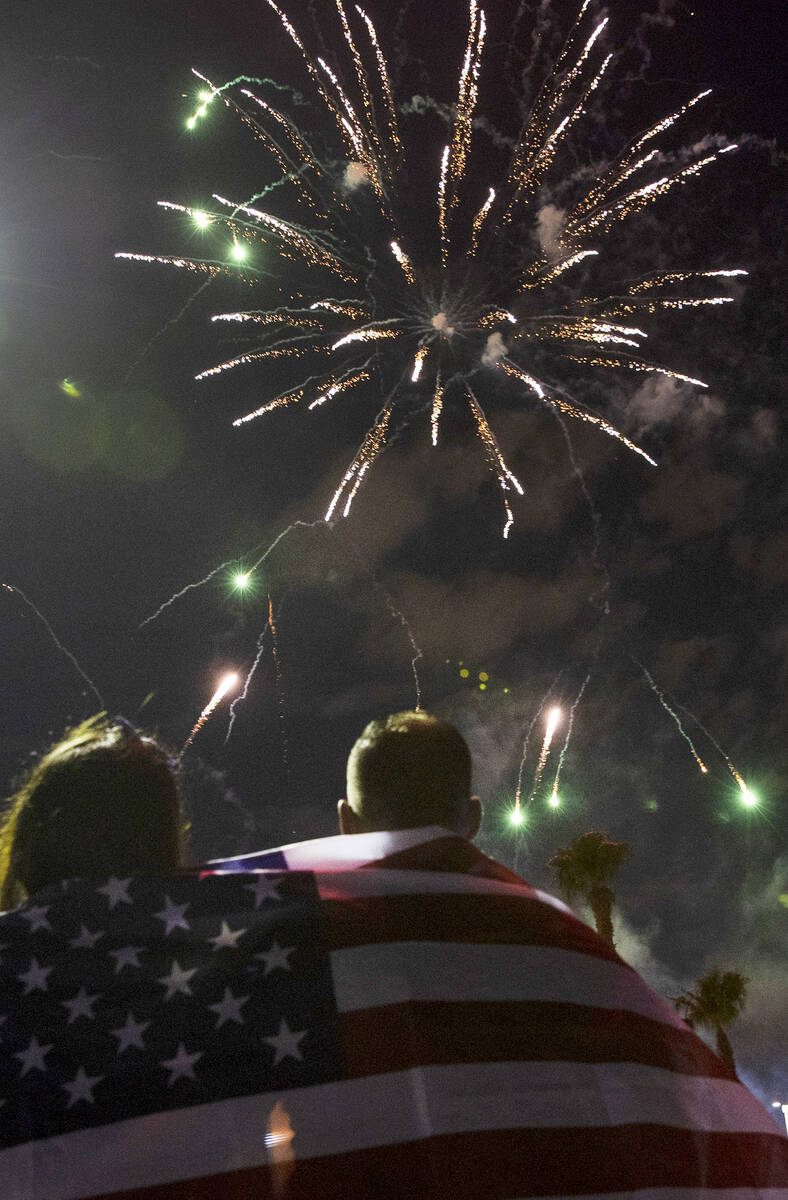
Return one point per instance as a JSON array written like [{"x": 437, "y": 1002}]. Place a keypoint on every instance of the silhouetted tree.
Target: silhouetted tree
[
  {"x": 587, "y": 867},
  {"x": 718, "y": 999}
]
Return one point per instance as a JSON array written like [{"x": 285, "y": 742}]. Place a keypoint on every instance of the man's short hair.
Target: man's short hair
[{"x": 410, "y": 769}]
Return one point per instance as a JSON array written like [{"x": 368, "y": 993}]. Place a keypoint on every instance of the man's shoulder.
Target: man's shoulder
[
  {"x": 446, "y": 852},
  {"x": 427, "y": 848}
]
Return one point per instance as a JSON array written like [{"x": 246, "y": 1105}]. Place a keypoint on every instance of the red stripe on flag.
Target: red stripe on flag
[
  {"x": 506, "y": 1163},
  {"x": 397, "y": 1037},
  {"x": 486, "y": 918}
]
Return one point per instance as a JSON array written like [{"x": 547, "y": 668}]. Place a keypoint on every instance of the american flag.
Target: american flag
[{"x": 317, "y": 1029}]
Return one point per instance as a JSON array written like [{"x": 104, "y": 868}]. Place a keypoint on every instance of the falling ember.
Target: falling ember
[
  {"x": 407, "y": 281},
  {"x": 437, "y": 405},
  {"x": 403, "y": 261},
  {"x": 365, "y": 335},
  {"x": 553, "y": 718},
  {"x": 554, "y": 800},
  {"x": 228, "y": 682},
  {"x": 674, "y": 715},
  {"x": 418, "y": 362}
]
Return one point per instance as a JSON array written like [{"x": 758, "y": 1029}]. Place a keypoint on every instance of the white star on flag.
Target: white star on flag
[
  {"x": 182, "y": 1066},
  {"x": 116, "y": 891},
  {"x": 172, "y": 916},
  {"x": 277, "y": 956},
  {"x": 37, "y": 916},
  {"x": 126, "y": 957},
  {"x": 80, "y": 1005},
  {"x": 32, "y": 1059},
  {"x": 264, "y": 889},
  {"x": 35, "y": 978},
  {"x": 229, "y": 1008},
  {"x": 226, "y": 938},
  {"x": 177, "y": 980},
  {"x": 130, "y": 1034},
  {"x": 86, "y": 939},
  {"x": 81, "y": 1087},
  {"x": 285, "y": 1043}
]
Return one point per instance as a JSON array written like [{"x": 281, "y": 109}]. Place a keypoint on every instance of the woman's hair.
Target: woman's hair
[{"x": 102, "y": 801}]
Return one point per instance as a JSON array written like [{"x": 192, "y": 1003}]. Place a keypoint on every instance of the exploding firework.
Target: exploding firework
[{"x": 436, "y": 291}]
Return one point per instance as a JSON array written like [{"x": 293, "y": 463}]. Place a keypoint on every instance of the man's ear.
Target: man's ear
[
  {"x": 349, "y": 821},
  {"x": 474, "y": 818}
]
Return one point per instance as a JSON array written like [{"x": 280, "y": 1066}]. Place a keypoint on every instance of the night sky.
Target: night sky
[{"x": 118, "y": 496}]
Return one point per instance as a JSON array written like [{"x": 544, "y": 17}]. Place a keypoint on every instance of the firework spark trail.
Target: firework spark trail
[
  {"x": 280, "y": 693},
  {"x": 436, "y": 336},
  {"x": 526, "y": 740},
  {"x": 8, "y": 587},
  {"x": 571, "y": 410},
  {"x": 554, "y": 801},
  {"x": 742, "y": 785},
  {"x": 658, "y": 692},
  {"x": 418, "y": 654},
  {"x": 229, "y": 563},
  {"x": 553, "y": 717},
  {"x": 494, "y": 458},
  {"x": 188, "y": 588},
  {"x": 227, "y": 683},
  {"x": 146, "y": 349},
  {"x": 250, "y": 674}
]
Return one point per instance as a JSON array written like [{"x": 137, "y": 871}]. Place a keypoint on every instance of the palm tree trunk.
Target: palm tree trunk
[
  {"x": 724, "y": 1049},
  {"x": 601, "y": 900}
]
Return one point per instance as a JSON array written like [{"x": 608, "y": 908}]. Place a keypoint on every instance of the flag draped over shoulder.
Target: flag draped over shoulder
[{"x": 427, "y": 1028}]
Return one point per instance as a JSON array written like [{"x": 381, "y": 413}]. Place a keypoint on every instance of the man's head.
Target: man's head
[{"x": 407, "y": 770}]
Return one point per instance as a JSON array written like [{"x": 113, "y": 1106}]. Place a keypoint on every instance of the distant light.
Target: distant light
[
  {"x": 201, "y": 219},
  {"x": 238, "y": 251},
  {"x": 553, "y": 717},
  {"x": 226, "y": 684}
]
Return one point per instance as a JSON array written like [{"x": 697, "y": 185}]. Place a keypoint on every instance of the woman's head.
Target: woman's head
[{"x": 102, "y": 801}]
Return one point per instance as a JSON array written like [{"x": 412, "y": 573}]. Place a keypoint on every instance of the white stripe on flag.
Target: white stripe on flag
[
  {"x": 381, "y": 1110},
  {"x": 345, "y": 851},
  {"x": 396, "y": 972},
  {"x": 381, "y": 881}
]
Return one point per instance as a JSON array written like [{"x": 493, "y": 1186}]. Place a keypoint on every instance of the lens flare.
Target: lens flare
[{"x": 748, "y": 798}]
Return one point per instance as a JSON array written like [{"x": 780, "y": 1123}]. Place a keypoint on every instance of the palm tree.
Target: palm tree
[
  {"x": 718, "y": 999},
  {"x": 587, "y": 867}
]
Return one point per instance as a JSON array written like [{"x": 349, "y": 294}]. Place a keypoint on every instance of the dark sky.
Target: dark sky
[{"x": 116, "y": 498}]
